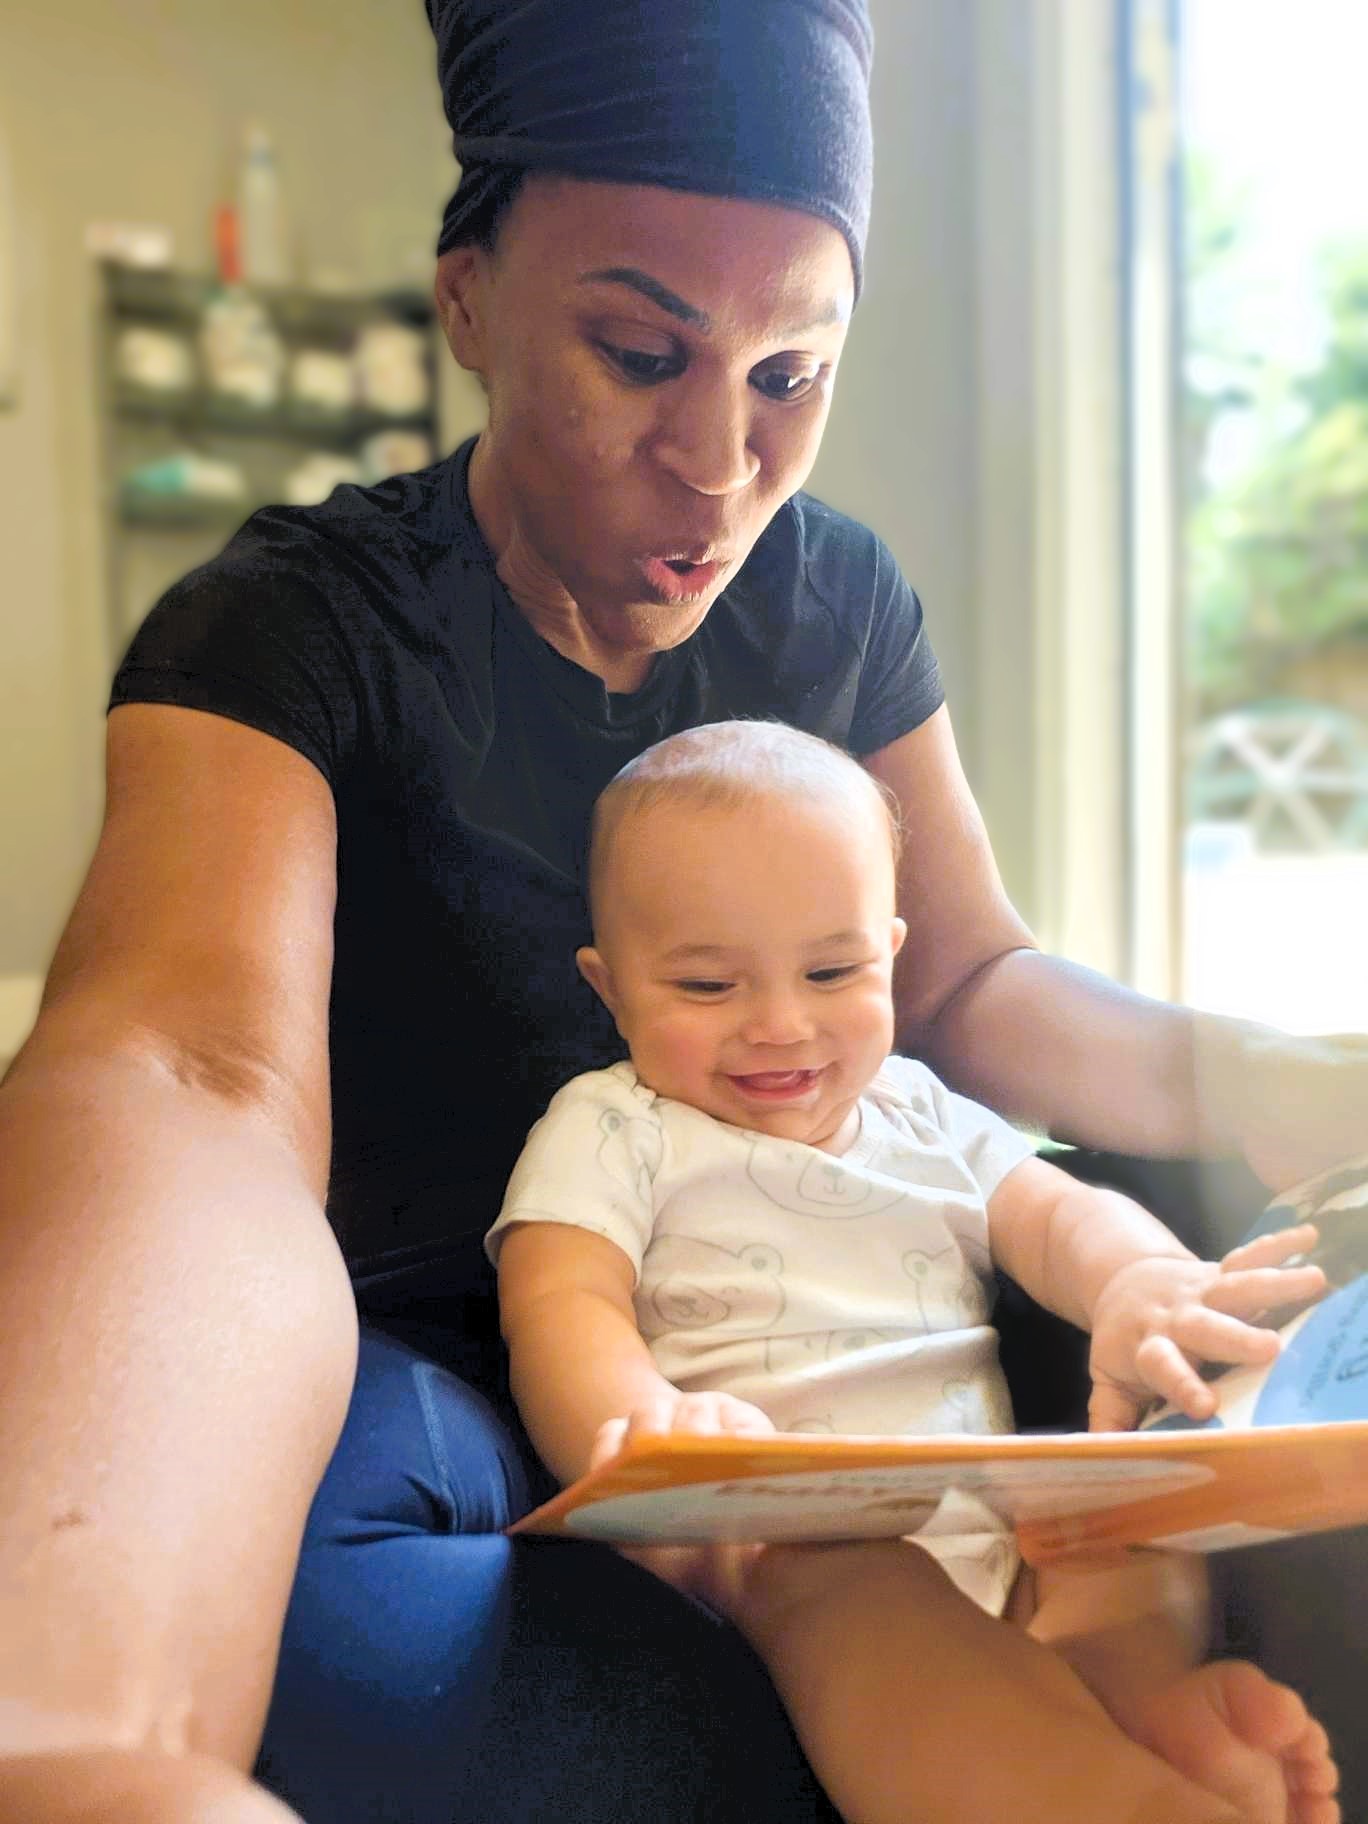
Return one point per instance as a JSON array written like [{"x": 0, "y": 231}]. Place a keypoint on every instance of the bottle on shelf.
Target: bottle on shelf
[
  {"x": 243, "y": 356},
  {"x": 227, "y": 245},
  {"x": 261, "y": 212}
]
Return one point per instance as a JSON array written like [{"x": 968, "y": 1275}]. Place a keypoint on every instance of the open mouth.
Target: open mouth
[
  {"x": 680, "y": 579},
  {"x": 776, "y": 1085}
]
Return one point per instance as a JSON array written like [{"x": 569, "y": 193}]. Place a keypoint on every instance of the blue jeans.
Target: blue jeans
[{"x": 434, "y": 1672}]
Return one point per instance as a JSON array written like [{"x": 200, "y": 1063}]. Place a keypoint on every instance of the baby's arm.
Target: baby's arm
[
  {"x": 578, "y": 1362},
  {"x": 1154, "y": 1309}
]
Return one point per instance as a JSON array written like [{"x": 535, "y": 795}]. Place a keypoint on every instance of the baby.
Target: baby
[{"x": 765, "y": 1220}]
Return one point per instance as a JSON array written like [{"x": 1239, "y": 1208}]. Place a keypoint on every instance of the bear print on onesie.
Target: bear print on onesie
[
  {"x": 811, "y": 1183},
  {"x": 700, "y": 1284},
  {"x": 631, "y": 1151}
]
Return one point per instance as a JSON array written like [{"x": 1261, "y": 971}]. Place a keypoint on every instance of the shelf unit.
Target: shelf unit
[{"x": 150, "y": 538}]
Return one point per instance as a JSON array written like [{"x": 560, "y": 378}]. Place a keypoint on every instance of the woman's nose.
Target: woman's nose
[{"x": 704, "y": 441}]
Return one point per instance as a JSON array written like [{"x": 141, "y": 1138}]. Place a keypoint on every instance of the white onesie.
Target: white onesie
[{"x": 838, "y": 1294}]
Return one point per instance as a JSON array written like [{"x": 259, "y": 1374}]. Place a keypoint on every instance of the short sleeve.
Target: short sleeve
[
  {"x": 591, "y": 1162},
  {"x": 256, "y": 635},
  {"x": 900, "y": 680},
  {"x": 989, "y": 1146}
]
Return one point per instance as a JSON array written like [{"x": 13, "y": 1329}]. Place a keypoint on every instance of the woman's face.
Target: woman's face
[{"x": 659, "y": 368}]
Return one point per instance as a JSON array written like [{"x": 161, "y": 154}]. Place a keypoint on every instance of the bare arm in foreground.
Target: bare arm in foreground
[
  {"x": 1062, "y": 1048},
  {"x": 177, "y": 1335}
]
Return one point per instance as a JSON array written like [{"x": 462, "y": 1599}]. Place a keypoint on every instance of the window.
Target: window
[{"x": 1272, "y": 519}]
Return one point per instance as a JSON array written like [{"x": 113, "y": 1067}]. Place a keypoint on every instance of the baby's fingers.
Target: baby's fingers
[
  {"x": 745, "y": 1419},
  {"x": 710, "y": 1414},
  {"x": 1250, "y": 1292},
  {"x": 1215, "y": 1336},
  {"x": 649, "y": 1419},
  {"x": 1112, "y": 1408},
  {"x": 1271, "y": 1250},
  {"x": 1168, "y": 1371},
  {"x": 608, "y": 1441}
]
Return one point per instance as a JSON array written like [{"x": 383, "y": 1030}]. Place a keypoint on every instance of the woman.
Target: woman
[{"x": 326, "y": 947}]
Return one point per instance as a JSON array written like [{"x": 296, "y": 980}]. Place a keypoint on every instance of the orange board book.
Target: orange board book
[{"x": 1286, "y": 1452}]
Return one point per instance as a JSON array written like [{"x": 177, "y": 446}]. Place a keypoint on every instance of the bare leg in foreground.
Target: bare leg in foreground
[
  {"x": 910, "y": 1701},
  {"x": 135, "y": 1786},
  {"x": 1134, "y": 1634}
]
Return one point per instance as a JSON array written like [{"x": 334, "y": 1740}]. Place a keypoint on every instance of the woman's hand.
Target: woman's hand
[
  {"x": 705, "y": 1415},
  {"x": 1294, "y": 1106},
  {"x": 1157, "y": 1317}
]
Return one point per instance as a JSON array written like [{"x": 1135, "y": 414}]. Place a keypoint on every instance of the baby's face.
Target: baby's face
[{"x": 747, "y": 956}]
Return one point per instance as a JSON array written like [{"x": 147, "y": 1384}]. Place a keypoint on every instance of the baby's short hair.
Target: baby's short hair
[{"x": 724, "y": 765}]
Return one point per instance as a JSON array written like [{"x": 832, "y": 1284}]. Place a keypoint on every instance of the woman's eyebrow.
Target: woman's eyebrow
[
  {"x": 652, "y": 289},
  {"x": 835, "y": 315}
]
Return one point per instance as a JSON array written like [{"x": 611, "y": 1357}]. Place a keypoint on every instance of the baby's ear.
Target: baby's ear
[
  {"x": 899, "y": 933},
  {"x": 597, "y": 973}
]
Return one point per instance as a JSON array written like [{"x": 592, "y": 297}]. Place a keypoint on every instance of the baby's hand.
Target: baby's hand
[
  {"x": 703, "y": 1414},
  {"x": 1158, "y": 1317},
  {"x": 713, "y": 1574}
]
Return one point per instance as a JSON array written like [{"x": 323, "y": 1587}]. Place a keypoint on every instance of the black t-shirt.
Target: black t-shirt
[{"x": 464, "y": 755}]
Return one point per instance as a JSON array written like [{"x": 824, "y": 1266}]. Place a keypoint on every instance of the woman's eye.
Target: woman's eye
[
  {"x": 838, "y": 973},
  {"x": 645, "y": 366},
  {"x": 781, "y": 384},
  {"x": 706, "y": 988}
]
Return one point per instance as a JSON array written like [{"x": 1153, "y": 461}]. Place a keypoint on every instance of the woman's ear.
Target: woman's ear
[
  {"x": 598, "y": 975},
  {"x": 460, "y": 292}
]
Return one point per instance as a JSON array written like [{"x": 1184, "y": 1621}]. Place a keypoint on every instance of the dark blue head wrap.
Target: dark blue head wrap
[{"x": 767, "y": 99}]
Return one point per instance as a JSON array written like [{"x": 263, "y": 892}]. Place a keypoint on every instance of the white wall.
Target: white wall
[
  {"x": 931, "y": 432},
  {"x": 976, "y": 423},
  {"x": 900, "y": 450}
]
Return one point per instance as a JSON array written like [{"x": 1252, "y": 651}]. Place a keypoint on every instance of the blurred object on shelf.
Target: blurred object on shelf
[
  {"x": 395, "y": 453},
  {"x": 244, "y": 358},
  {"x": 333, "y": 281},
  {"x": 227, "y": 245},
  {"x": 392, "y": 370},
  {"x": 323, "y": 380},
  {"x": 273, "y": 410},
  {"x": 143, "y": 245},
  {"x": 261, "y": 212},
  {"x": 314, "y": 479},
  {"x": 154, "y": 359},
  {"x": 185, "y": 475}
]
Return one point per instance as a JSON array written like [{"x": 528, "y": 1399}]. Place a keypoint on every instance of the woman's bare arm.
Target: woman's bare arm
[
  {"x": 177, "y": 1335},
  {"x": 1066, "y": 1050},
  {"x": 1041, "y": 1039}
]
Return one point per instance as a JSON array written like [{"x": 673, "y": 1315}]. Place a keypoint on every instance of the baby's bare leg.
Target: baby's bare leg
[
  {"x": 1135, "y": 1634},
  {"x": 911, "y": 1702},
  {"x": 1126, "y": 1627}
]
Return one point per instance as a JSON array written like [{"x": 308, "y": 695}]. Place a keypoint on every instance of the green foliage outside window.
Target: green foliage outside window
[{"x": 1277, "y": 553}]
